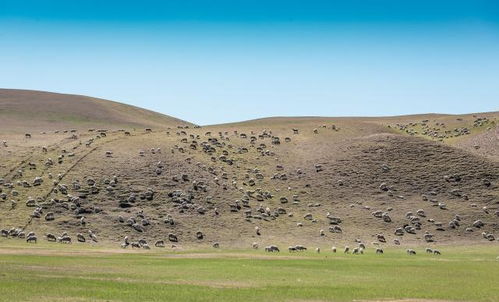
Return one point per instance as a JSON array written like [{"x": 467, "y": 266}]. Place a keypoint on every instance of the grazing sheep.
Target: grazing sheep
[
  {"x": 411, "y": 252},
  {"x": 488, "y": 236},
  {"x": 216, "y": 245},
  {"x": 255, "y": 245},
  {"x": 381, "y": 238},
  {"x": 318, "y": 250},
  {"x": 125, "y": 243},
  {"x": 172, "y": 237},
  {"x": 429, "y": 250},
  {"x": 272, "y": 249},
  {"x": 51, "y": 237},
  {"x": 159, "y": 243},
  {"x": 478, "y": 224},
  {"x": 409, "y": 229},
  {"x": 292, "y": 249},
  {"x": 300, "y": 248},
  {"x": 199, "y": 235},
  {"x": 428, "y": 237},
  {"x": 138, "y": 227},
  {"x": 335, "y": 229},
  {"x": 333, "y": 249},
  {"x": 92, "y": 235},
  {"x": 80, "y": 237},
  {"x": 386, "y": 217},
  {"x": 436, "y": 252},
  {"x": 31, "y": 239},
  {"x": 37, "y": 181},
  {"x": 64, "y": 239},
  {"x": 379, "y": 251},
  {"x": 49, "y": 216},
  {"x": 346, "y": 250},
  {"x": 399, "y": 232},
  {"x": 257, "y": 230}
]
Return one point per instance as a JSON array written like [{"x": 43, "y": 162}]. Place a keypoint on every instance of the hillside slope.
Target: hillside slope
[
  {"x": 27, "y": 110},
  {"x": 312, "y": 181},
  {"x": 225, "y": 181}
]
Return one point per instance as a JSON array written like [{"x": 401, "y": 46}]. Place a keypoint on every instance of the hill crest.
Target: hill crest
[{"x": 22, "y": 110}]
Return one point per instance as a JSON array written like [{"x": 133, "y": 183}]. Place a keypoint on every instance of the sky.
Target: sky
[{"x": 218, "y": 61}]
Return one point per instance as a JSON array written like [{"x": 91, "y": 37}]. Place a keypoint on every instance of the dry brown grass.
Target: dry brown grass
[
  {"x": 354, "y": 155},
  {"x": 28, "y": 110}
]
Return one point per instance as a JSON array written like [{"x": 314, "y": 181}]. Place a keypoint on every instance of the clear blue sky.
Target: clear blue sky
[{"x": 218, "y": 61}]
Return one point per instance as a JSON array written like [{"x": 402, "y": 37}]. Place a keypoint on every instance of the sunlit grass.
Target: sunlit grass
[{"x": 75, "y": 274}]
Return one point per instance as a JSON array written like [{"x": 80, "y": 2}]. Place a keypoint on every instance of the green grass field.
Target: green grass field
[{"x": 46, "y": 272}]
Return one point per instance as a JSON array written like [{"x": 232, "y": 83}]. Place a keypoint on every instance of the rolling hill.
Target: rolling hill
[
  {"x": 22, "y": 110},
  {"x": 416, "y": 180}
]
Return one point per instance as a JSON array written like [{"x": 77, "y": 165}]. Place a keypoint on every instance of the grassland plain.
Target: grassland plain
[{"x": 75, "y": 273}]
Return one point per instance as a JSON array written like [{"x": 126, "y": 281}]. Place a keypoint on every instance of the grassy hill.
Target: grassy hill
[
  {"x": 434, "y": 174},
  {"x": 22, "y": 110}
]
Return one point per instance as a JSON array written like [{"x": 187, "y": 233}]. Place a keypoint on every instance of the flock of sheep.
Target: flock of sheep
[
  {"x": 221, "y": 151},
  {"x": 440, "y": 131},
  {"x": 355, "y": 251}
]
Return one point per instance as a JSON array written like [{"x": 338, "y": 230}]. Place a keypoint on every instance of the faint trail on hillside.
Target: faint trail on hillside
[
  {"x": 78, "y": 161},
  {"x": 71, "y": 168},
  {"x": 82, "y": 158},
  {"x": 17, "y": 167},
  {"x": 27, "y": 159}
]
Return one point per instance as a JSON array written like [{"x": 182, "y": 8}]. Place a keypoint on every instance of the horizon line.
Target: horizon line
[{"x": 258, "y": 118}]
